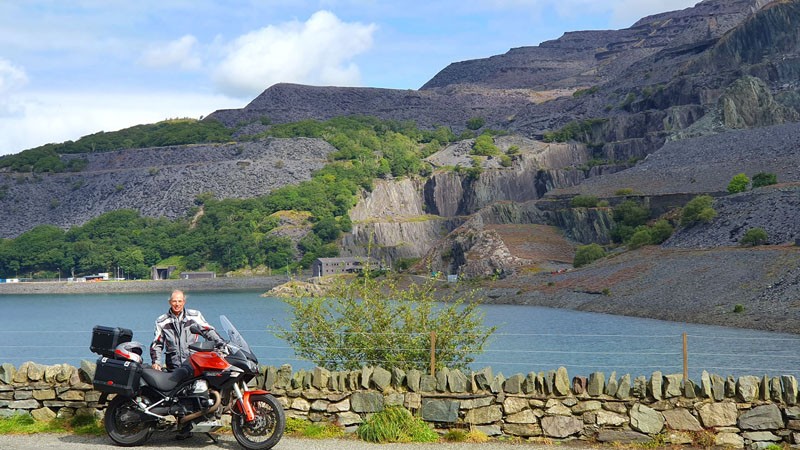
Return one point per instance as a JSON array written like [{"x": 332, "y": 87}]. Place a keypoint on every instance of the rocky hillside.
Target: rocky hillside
[{"x": 158, "y": 182}]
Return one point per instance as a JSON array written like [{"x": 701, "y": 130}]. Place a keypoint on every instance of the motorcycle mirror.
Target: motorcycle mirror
[{"x": 195, "y": 329}]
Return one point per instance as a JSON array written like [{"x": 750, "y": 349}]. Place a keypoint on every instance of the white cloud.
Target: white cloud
[
  {"x": 317, "y": 52},
  {"x": 12, "y": 78},
  {"x": 181, "y": 53},
  {"x": 47, "y": 117}
]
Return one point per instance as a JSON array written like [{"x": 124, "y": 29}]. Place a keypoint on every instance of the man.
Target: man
[{"x": 172, "y": 335}]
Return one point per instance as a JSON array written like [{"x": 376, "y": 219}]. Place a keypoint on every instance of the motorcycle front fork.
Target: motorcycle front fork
[{"x": 244, "y": 404}]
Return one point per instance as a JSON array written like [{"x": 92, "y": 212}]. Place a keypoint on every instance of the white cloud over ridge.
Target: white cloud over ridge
[
  {"x": 181, "y": 53},
  {"x": 319, "y": 51}
]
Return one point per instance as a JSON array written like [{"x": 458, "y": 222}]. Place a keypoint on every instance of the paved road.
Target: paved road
[{"x": 226, "y": 442}]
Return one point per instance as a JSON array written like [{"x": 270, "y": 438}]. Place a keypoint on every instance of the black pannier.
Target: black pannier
[
  {"x": 106, "y": 339},
  {"x": 114, "y": 376}
]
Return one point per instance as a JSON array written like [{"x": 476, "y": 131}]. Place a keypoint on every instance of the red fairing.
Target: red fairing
[{"x": 205, "y": 361}]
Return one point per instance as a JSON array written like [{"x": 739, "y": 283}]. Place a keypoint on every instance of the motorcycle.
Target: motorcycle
[{"x": 192, "y": 398}]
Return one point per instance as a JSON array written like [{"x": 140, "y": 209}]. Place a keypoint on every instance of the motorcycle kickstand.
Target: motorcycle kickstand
[{"x": 213, "y": 438}]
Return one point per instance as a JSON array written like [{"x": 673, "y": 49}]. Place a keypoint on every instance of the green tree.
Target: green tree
[
  {"x": 738, "y": 183},
  {"x": 586, "y": 254},
  {"x": 377, "y": 322},
  {"x": 753, "y": 237},
  {"x": 762, "y": 179},
  {"x": 698, "y": 210}
]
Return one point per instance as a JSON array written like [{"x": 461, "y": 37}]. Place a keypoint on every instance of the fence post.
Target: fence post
[
  {"x": 685, "y": 360},
  {"x": 433, "y": 353}
]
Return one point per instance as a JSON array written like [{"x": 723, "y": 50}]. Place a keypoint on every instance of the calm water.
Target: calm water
[{"x": 52, "y": 329}]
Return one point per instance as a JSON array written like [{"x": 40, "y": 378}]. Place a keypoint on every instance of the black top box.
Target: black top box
[{"x": 106, "y": 339}]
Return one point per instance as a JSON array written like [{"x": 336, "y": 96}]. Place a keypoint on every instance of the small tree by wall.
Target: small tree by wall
[{"x": 367, "y": 321}]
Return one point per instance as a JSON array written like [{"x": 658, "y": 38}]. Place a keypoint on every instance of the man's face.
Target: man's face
[{"x": 176, "y": 303}]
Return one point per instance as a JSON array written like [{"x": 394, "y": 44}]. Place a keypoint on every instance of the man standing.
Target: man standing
[{"x": 172, "y": 335}]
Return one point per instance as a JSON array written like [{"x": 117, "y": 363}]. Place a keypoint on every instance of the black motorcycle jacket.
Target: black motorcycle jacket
[{"x": 172, "y": 336}]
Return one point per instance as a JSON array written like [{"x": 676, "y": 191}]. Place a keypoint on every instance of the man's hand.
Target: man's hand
[{"x": 156, "y": 366}]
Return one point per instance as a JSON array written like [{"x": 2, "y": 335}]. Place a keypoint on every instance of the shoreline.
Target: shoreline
[{"x": 263, "y": 284}]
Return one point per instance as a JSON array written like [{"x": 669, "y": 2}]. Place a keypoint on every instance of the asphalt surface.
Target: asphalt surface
[{"x": 164, "y": 441}]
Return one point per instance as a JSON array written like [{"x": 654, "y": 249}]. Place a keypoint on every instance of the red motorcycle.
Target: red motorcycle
[{"x": 192, "y": 398}]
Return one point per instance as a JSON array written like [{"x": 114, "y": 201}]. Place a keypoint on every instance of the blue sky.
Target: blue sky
[{"x": 71, "y": 68}]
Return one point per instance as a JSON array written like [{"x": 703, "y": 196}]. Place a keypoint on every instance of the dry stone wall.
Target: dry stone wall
[{"x": 748, "y": 411}]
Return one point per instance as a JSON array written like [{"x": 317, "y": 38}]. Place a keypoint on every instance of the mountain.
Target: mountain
[{"x": 658, "y": 113}]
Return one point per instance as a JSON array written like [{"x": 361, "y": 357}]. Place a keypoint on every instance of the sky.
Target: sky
[{"x": 72, "y": 68}]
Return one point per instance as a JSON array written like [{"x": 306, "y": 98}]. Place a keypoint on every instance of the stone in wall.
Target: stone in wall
[
  {"x": 747, "y": 388},
  {"x": 439, "y": 410},
  {"x": 646, "y": 419},
  {"x": 681, "y": 419},
  {"x": 622, "y": 436},
  {"x": 366, "y": 402},
  {"x": 561, "y": 426},
  {"x": 381, "y": 378},
  {"x": 561, "y": 382},
  {"x": 457, "y": 382},
  {"x": 624, "y": 389},
  {"x": 655, "y": 388},
  {"x": 789, "y": 389},
  {"x": 722, "y": 414},
  {"x": 672, "y": 385},
  {"x": 766, "y": 417},
  {"x": 596, "y": 385},
  {"x": 513, "y": 385}
]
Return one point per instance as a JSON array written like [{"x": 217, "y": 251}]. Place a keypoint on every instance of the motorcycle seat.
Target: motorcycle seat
[{"x": 166, "y": 381}]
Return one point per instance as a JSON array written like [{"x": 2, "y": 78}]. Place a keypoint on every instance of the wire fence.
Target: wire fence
[{"x": 509, "y": 353}]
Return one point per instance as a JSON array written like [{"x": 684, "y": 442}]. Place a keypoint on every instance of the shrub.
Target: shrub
[
  {"x": 739, "y": 308},
  {"x": 484, "y": 146},
  {"x": 583, "y": 201},
  {"x": 586, "y": 254},
  {"x": 631, "y": 213},
  {"x": 395, "y": 424},
  {"x": 624, "y": 191},
  {"x": 698, "y": 210},
  {"x": 738, "y": 183},
  {"x": 660, "y": 231},
  {"x": 762, "y": 179},
  {"x": 640, "y": 238},
  {"x": 476, "y": 123},
  {"x": 505, "y": 161},
  {"x": 513, "y": 150},
  {"x": 754, "y": 236}
]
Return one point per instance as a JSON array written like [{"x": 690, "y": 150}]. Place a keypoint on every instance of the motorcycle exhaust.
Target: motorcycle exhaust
[{"x": 189, "y": 417}]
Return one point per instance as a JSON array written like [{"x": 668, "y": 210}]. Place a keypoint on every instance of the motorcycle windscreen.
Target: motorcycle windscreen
[{"x": 234, "y": 336}]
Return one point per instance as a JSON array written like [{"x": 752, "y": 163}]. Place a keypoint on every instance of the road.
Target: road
[{"x": 161, "y": 441}]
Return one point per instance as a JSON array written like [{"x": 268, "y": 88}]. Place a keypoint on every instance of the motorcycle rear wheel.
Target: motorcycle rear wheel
[
  {"x": 124, "y": 424},
  {"x": 267, "y": 428}
]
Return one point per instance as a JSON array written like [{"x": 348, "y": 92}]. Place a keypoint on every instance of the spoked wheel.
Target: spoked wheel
[
  {"x": 125, "y": 424},
  {"x": 266, "y": 429}
]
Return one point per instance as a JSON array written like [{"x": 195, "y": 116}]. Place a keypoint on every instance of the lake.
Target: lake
[{"x": 54, "y": 329}]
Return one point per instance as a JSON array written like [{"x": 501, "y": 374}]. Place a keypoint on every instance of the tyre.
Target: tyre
[
  {"x": 125, "y": 424},
  {"x": 267, "y": 428}
]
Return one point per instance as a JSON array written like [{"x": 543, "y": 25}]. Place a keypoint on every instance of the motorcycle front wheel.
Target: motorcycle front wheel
[
  {"x": 266, "y": 429},
  {"x": 125, "y": 424}
]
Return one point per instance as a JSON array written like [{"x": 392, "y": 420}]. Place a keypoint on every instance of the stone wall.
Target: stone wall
[{"x": 746, "y": 411}]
